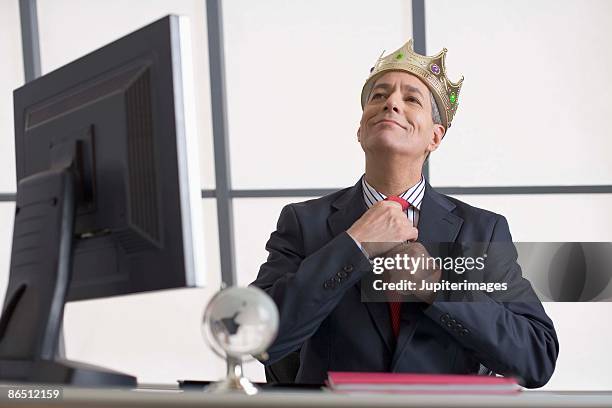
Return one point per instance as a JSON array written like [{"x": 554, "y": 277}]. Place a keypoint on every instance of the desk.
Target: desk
[{"x": 150, "y": 397}]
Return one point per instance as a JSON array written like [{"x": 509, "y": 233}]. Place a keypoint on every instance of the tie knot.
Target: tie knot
[{"x": 405, "y": 204}]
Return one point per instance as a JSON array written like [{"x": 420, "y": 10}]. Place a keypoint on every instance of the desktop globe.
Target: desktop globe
[
  {"x": 238, "y": 323},
  {"x": 241, "y": 321}
]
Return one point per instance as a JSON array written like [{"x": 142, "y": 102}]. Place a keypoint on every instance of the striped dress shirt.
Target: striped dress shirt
[{"x": 414, "y": 195}]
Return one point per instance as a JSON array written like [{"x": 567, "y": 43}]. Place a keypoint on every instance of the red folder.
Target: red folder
[{"x": 420, "y": 383}]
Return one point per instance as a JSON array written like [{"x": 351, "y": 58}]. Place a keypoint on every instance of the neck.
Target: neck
[{"x": 391, "y": 177}]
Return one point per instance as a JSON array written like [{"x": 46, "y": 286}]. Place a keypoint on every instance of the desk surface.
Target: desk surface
[{"x": 159, "y": 397}]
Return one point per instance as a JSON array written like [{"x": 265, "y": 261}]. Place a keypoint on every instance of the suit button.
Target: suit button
[
  {"x": 450, "y": 325},
  {"x": 348, "y": 268},
  {"x": 342, "y": 274},
  {"x": 465, "y": 332},
  {"x": 444, "y": 318},
  {"x": 459, "y": 327},
  {"x": 337, "y": 279},
  {"x": 328, "y": 284}
]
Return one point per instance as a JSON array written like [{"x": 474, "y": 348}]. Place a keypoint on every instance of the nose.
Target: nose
[{"x": 392, "y": 103}]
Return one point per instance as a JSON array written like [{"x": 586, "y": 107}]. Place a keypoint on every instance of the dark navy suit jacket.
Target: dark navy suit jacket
[{"x": 313, "y": 273}]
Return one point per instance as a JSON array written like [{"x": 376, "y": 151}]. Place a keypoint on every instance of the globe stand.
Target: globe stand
[
  {"x": 234, "y": 380},
  {"x": 239, "y": 323}
]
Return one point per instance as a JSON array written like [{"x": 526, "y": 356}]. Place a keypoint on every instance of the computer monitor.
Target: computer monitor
[{"x": 108, "y": 197}]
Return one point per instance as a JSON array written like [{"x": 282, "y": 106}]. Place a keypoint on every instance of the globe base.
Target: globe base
[{"x": 234, "y": 382}]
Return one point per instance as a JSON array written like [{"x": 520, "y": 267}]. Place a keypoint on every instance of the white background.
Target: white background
[{"x": 533, "y": 111}]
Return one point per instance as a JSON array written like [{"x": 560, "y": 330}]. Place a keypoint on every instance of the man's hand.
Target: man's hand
[
  {"x": 382, "y": 227},
  {"x": 424, "y": 273}
]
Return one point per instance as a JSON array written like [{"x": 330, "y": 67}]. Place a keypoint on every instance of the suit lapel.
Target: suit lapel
[
  {"x": 438, "y": 230},
  {"x": 437, "y": 224},
  {"x": 349, "y": 208}
]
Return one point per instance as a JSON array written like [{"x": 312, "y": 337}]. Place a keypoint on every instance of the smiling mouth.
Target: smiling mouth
[{"x": 390, "y": 122}]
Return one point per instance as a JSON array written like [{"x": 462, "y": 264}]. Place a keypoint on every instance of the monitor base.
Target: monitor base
[{"x": 63, "y": 372}]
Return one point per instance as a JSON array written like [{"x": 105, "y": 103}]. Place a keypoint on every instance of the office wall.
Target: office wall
[
  {"x": 255, "y": 219},
  {"x": 534, "y": 105},
  {"x": 294, "y": 73},
  {"x": 11, "y": 77},
  {"x": 294, "y": 77},
  {"x": 11, "y": 74}
]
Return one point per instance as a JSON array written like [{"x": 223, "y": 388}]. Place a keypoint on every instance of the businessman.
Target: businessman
[{"x": 322, "y": 250}]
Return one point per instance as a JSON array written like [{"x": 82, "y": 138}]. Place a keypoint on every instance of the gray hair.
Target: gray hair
[
  {"x": 435, "y": 112},
  {"x": 435, "y": 115}
]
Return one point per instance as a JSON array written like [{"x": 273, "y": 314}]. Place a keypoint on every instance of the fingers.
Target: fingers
[
  {"x": 412, "y": 235},
  {"x": 389, "y": 204},
  {"x": 386, "y": 224}
]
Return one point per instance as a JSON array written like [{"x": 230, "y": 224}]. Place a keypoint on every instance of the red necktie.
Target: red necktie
[{"x": 396, "y": 307}]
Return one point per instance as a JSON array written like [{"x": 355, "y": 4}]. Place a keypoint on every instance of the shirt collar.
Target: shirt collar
[{"x": 414, "y": 195}]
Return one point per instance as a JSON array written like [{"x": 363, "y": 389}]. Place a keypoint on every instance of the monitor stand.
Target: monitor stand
[{"x": 40, "y": 274}]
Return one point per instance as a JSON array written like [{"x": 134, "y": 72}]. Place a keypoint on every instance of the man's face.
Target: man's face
[{"x": 397, "y": 118}]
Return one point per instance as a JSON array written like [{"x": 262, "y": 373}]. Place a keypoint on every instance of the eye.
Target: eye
[
  {"x": 376, "y": 96},
  {"x": 413, "y": 99}
]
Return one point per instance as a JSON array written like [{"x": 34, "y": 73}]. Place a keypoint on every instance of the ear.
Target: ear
[{"x": 438, "y": 134}]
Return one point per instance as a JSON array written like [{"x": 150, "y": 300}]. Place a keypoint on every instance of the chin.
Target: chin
[
  {"x": 390, "y": 142},
  {"x": 392, "y": 148}
]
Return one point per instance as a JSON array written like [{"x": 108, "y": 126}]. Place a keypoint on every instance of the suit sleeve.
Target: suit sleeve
[
  {"x": 510, "y": 334},
  {"x": 306, "y": 289}
]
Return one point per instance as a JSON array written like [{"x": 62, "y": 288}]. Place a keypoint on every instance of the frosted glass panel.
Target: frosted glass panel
[
  {"x": 583, "y": 340},
  {"x": 212, "y": 261},
  {"x": 254, "y": 220},
  {"x": 294, "y": 75},
  {"x": 70, "y": 29},
  {"x": 11, "y": 77},
  {"x": 535, "y": 103},
  {"x": 7, "y": 217},
  {"x": 551, "y": 217}
]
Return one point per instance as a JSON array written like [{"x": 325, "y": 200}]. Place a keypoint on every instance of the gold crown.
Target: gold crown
[{"x": 431, "y": 70}]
